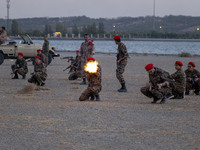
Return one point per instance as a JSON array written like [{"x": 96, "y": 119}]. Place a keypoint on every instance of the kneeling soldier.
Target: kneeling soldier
[
  {"x": 192, "y": 79},
  {"x": 158, "y": 86},
  {"x": 20, "y": 67},
  {"x": 94, "y": 85},
  {"x": 39, "y": 75},
  {"x": 178, "y": 81}
]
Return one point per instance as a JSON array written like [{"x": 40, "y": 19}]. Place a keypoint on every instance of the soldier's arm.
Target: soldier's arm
[{"x": 124, "y": 51}]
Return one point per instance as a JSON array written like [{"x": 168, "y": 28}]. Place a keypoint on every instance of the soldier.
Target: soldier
[
  {"x": 158, "y": 86},
  {"x": 45, "y": 50},
  {"x": 122, "y": 57},
  {"x": 76, "y": 67},
  {"x": 3, "y": 35},
  {"x": 86, "y": 50},
  {"x": 39, "y": 75},
  {"x": 192, "y": 79},
  {"x": 41, "y": 55},
  {"x": 178, "y": 81},
  {"x": 94, "y": 86},
  {"x": 20, "y": 67}
]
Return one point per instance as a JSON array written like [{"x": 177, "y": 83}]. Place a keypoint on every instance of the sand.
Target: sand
[{"x": 52, "y": 118}]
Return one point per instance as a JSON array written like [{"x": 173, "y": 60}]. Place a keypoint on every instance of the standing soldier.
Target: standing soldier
[
  {"x": 20, "y": 67},
  {"x": 45, "y": 50},
  {"x": 122, "y": 57},
  {"x": 39, "y": 75},
  {"x": 86, "y": 50},
  {"x": 3, "y": 35},
  {"x": 41, "y": 55},
  {"x": 76, "y": 67},
  {"x": 158, "y": 86},
  {"x": 192, "y": 79},
  {"x": 178, "y": 81},
  {"x": 94, "y": 86}
]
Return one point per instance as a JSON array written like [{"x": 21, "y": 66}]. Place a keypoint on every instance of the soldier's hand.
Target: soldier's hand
[
  {"x": 118, "y": 62},
  {"x": 196, "y": 79},
  {"x": 189, "y": 79},
  {"x": 150, "y": 88},
  {"x": 159, "y": 86}
]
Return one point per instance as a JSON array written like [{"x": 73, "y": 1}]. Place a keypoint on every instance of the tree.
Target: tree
[
  {"x": 61, "y": 27},
  {"x": 14, "y": 27},
  {"x": 75, "y": 30},
  {"x": 101, "y": 29}
]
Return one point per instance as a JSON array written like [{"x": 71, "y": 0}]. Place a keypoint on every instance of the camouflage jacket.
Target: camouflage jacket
[
  {"x": 93, "y": 79},
  {"x": 86, "y": 51},
  {"x": 39, "y": 68},
  {"x": 194, "y": 74},
  {"x": 122, "y": 51},
  {"x": 158, "y": 77},
  {"x": 45, "y": 47},
  {"x": 179, "y": 77},
  {"x": 21, "y": 64}
]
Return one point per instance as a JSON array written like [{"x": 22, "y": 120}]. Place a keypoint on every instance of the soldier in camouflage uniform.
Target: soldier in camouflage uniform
[
  {"x": 76, "y": 67},
  {"x": 86, "y": 50},
  {"x": 20, "y": 67},
  {"x": 39, "y": 75},
  {"x": 122, "y": 57},
  {"x": 94, "y": 86},
  {"x": 45, "y": 50},
  {"x": 178, "y": 81},
  {"x": 41, "y": 55},
  {"x": 158, "y": 86},
  {"x": 192, "y": 79}
]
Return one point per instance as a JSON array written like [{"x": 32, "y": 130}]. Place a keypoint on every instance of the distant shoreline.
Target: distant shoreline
[{"x": 110, "y": 39}]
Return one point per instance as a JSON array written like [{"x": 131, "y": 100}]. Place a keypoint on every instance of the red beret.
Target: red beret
[
  {"x": 149, "y": 67},
  {"x": 77, "y": 51},
  {"x": 37, "y": 57},
  {"x": 117, "y": 37},
  {"x": 192, "y": 63},
  {"x": 39, "y": 50},
  {"x": 179, "y": 63},
  {"x": 91, "y": 58},
  {"x": 20, "y": 54}
]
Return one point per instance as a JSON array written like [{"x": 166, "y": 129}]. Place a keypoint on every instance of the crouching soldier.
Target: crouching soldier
[
  {"x": 158, "y": 86},
  {"x": 39, "y": 75},
  {"x": 20, "y": 67},
  {"x": 178, "y": 81},
  {"x": 94, "y": 84},
  {"x": 192, "y": 79},
  {"x": 41, "y": 55}
]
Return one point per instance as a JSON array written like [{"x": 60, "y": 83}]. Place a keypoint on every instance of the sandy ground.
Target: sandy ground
[{"x": 52, "y": 118}]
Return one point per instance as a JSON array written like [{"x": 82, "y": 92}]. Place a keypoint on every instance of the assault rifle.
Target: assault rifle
[{"x": 69, "y": 58}]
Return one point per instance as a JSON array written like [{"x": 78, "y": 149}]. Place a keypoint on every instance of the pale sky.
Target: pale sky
[{"x": 98, "y": 8}]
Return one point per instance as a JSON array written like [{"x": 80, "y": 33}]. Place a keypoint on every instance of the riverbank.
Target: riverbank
[{"x": 51, "y": 117}]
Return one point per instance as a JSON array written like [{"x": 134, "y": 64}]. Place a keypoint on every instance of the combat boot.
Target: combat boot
[
  {"x": 16, "y": 76},
  {"x": 97, "y": 97},
  {"x": 92, "y": 97},
  {"x": 196, "y": 92},
  {"x": 24, "y": 77},
  {"x": 163, "y": 101},
  {"x": 187, "y": 93},
  {"x": 123, "y": 88},
  {"x": 84, "y": 82},
  {"x": 154, "y": 101}
]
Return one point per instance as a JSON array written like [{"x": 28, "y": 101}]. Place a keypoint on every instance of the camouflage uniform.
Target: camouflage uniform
[
  {"x": 192, "y": 84},
  {"x": 122, "y": 52},
  {"x": 178, "y": 82},
  {"x": 3, "y": 37},
  {"x": 42, "y": 56},
  {"x": 158, "y": 77},
  {"x": 21, "y": 65},
  {"x": 86, "y": 51},
  {"x": 77, "y": 70},
  {"x": 94, "y": 86},
  {"x": 40, "y": 74},
  {"x": 45, "y": 51}
]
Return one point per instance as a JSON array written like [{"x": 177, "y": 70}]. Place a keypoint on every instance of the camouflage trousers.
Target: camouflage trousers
[
  {"x": 82, "y": 66},
  {"x": 155, "y": 93},
  {"x": 191, "y": 86},
  {"x": 46, "y": 60},
  {"x": 120, "y": 70},
  {"x": 177, "y": 89},
  {"x": 21, "y": 71},
  {"x": 75, "y": 75},
  {"x": 94, "y": 90},
  {"x": 38, "y": 77}
]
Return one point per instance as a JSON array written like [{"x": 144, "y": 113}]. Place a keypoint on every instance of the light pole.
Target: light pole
[
  {"x": 154, "y": 14},
  {"x": 8, "y": 7}
]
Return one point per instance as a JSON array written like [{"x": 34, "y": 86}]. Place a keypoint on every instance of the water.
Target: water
[{"x": 149, "y": 47}]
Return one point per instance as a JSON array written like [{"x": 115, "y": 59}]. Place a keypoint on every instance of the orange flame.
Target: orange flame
[{"x": 91, "y": 67}]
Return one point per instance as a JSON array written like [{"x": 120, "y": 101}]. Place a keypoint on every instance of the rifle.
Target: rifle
[
  {"x": 69, "y": 58},
  {"x": 70, "y": 66}
]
